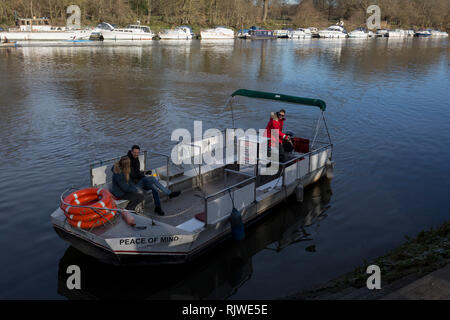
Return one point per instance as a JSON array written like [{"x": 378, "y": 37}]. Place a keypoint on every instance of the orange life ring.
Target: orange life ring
[{"x": 98, "y": 199}]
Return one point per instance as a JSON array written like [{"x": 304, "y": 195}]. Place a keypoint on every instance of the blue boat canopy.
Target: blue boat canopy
[{"x": 280, "y": 97}]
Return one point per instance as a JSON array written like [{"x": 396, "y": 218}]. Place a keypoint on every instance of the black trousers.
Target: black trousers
[{"x": 134, "y": 198}]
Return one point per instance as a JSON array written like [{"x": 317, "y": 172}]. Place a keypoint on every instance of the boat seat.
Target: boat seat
[
  {"x": 200, "y": 216},
  {"x": 121, "y": 203}
]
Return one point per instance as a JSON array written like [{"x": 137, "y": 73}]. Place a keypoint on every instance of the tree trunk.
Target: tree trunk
[{"x": 265, "y": 9}]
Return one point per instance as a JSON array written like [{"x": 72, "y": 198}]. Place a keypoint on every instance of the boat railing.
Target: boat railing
[
  {"x": 100, "y": 170},
  {"x": 239, "y": 195},
  {"x": 313, "y": 164}
]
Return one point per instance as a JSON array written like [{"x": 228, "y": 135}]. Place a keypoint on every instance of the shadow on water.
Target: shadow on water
[{"x": 217, "y": 274}]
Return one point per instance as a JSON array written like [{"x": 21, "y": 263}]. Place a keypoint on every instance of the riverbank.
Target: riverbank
[{"x": 416, "y": 263}]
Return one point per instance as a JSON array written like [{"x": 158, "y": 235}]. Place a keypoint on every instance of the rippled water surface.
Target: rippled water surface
[{"x": 63, "y": 107}]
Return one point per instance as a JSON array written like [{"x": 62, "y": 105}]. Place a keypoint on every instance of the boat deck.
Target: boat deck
[{"x": 184, "y": 207}]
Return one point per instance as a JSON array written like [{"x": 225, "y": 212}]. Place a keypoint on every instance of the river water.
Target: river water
[{"x": 64, "y": 106}]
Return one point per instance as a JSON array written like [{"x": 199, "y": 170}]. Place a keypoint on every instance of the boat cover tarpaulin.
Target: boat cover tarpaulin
[{"x": 281, "y": 97}]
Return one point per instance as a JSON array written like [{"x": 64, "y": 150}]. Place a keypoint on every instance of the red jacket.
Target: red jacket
[{"x": 275, "y": 124}]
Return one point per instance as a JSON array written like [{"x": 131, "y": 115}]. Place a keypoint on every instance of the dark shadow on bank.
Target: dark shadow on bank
[{"x": 217, "y": 274}]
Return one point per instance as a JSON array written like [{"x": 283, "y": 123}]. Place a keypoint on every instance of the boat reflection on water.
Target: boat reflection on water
[{"x": 215, "y": 275}]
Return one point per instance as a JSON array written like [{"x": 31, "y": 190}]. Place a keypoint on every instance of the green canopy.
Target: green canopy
[{"x": 280, "y": 97}]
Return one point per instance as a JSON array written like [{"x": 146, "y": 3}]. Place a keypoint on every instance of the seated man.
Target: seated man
[
  {"x": 147, "y": 182},
  {"x": 276, "y": 122}
]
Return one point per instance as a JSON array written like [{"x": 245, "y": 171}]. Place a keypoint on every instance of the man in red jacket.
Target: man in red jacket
[{"x": 276, "y": 122}]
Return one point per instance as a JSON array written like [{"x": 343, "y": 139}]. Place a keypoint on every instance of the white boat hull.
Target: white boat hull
[
  {"x": 324, "y": 34},
  {"x": 116, "y": 35},
  {"x": 175, "y": 36},
  {"x": 46, "y": 36},
  {"x": 215, "y": 35}
]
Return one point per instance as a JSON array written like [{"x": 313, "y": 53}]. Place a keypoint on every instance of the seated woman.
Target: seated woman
[{"x": 123, "y": 187}]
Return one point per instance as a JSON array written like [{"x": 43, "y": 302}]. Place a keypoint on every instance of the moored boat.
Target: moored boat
[
  {"x": 423, "y": 33},
  {"x": 179, "y": 33},
  {"x": 333, "y": 32},
  {"x": 358, "y": 33},
  {"x": 217, "y": 33},
  {"x": 243, "y": 34},
  {"x": 282, "y": 34},
  {"x": 397, "y": 33},
  {"x": 40, "y": 29},
  {"x": 300, "y": 33},
  {"x": 382, "y": 33},
  {"x": 213, "y": 195},
  {"x": 261, "y": 34},
  {"x": 135, "y": 32}
]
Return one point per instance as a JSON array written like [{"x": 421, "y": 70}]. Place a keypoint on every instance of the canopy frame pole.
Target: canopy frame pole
[
  {"x": 317, "y": 130},
  {"x": 230, "y": 103},
  {"x": 326, "y": 127}
]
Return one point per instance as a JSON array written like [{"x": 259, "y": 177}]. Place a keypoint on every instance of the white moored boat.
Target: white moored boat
[
  {"x": 359, "y": 33},
  {"x": 382, "y": 33},
  {"x": 300, "y": 33},
  {"x": 437, "y": 33},
  {"x": 40, "y": 29},
  {"x": 217, "y": 33},
  {"x": 179, "y": 33},
  {"x": 423, "y": 33},
  {"x": 130, "y": 32},
  {"x": 281, "y": 34},
  {"x": 216, "y": 202},
  {"x": 397, "y": 33},
  {"x": 333, "y": 32}
]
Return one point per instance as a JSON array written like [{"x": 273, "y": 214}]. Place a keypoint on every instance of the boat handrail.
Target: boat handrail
[
  {"x": 297, "y": 157},
  {"x": 239, "y": 172},
  {"x": 215, "y": 194}
]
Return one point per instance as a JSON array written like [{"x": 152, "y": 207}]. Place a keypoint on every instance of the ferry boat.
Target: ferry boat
[
  {"x": 179, "y": 33},
  {"x": 213, "y": 198},
  {"x": 300, "y": 33},
  {"x": 130, "y": 32},
  {"x": 260, "y": 34},
  {"x": 37, "y": 29},
  {"x": 217, "y": 33},
  {"x": 333, "y": 32}
]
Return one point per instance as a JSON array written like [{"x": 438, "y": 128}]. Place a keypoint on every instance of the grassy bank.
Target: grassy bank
[{"x": 428, "y": 251}]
